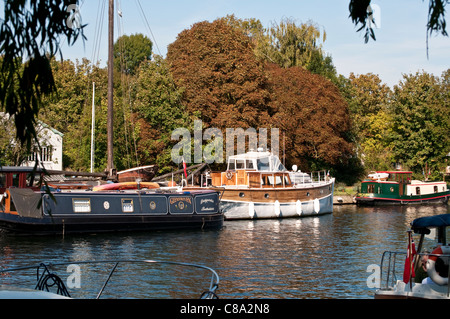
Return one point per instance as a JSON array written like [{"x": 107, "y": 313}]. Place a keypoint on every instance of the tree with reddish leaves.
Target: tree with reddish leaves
[
  {"x": 313, "y": 116},
  {"x": 224, "y": 83}
]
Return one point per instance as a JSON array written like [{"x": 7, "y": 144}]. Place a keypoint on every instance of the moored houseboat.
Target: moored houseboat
[
  {"x": 256, "y": 185},
  {"x": 27, "y": 209},
  {"x": 398, "y": 188}
]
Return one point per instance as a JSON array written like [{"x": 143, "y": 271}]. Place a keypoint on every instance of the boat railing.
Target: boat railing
[
  {"x": 48, "y": 280},
  {"x": 297, "y": 179},
  {"x": 392, "y": 266}
]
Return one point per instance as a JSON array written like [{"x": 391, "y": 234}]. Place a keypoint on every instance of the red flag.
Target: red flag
[
  {"x": 184, "y": 167},
  {"x": 409, "y": 267}
]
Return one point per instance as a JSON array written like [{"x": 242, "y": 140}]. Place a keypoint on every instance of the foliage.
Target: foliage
[
  {"x": 29, "y": 37},
  {"x": 130, "y": 51},
  {"x": 361, "y": 15},
  {"x": 369, "y": 106},
  {"x": 157, "y": 111},
  {"x": 222, "y": 79},
  {"x": 314, "y": 116},
  {"x": 421, "y": 113},
  {"x": 288, "y": 44}
]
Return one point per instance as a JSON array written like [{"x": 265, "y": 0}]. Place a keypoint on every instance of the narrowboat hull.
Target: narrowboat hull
[
  {"x": 94, "y": 212},
  {"x": 373, "y": 200}
]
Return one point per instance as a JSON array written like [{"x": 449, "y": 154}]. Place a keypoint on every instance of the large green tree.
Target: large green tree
[
  {"x": 369, "y": 102},
  {"x": 130, "y": 51},
  {"x": 421, "y": 115},
  {"x": 157, "y": 111}
]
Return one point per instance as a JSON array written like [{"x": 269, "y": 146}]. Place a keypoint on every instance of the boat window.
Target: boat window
[
  {"x": 15, "y": 180},
  {"x": 231, "y": 165},
  {"x": 2, "y": 180},
  {"x": 127, "y": 205},
  {"x": 263, "y": 165},
  {"x": 240, "y": 164},
  {"x": 371, "y": 188},
  {"x": 278, "y": 180},
  {"x": 435, "y": 189},
  {"x": 81, "y": 205},
  {"x": 417, "y": 190},
  {"x": 249, "y": 164}
]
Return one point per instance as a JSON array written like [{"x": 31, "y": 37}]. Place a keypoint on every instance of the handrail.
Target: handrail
[
  {"x": 209, "y": 294},
  {"x": 391, "y": 267}
]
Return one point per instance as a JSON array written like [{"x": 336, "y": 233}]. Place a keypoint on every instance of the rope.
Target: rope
[{"x": 48, "y": 280}]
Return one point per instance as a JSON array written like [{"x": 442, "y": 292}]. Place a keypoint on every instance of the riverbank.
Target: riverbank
[
  {"x": 344, "y": 195},
  {"x": 344, "y": 200}
]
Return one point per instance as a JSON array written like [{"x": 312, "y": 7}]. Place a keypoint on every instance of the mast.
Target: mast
[
  {"x": 92, "y": 127},
  {"x": 110, "y": 165}
]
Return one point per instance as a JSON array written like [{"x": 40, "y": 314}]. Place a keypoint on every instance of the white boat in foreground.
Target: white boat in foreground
[
  {"x": 50, "y": 285},
  {"x": 425, "y": 274}
]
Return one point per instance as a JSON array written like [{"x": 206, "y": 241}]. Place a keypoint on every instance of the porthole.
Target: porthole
[
  {"x": 307, "y": 194},
  {"x": 241, "y": 195},
  {"x": 266, "y": 195}
]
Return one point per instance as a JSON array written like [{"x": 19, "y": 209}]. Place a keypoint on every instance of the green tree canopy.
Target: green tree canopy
[
  {"x": 371, "y": 120},
  {"x": 130, "y": 51},
  {"x": 30, "y": 34},
  {"x": 421, "y": 114}
]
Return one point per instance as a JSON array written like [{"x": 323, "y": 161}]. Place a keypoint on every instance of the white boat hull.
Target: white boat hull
[{"x": 235, "y": 210}]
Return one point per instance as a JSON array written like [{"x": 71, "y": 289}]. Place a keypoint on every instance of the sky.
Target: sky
[{"x": 400, "y": 48}]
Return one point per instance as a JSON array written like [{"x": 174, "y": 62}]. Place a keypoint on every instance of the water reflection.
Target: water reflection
[{"x": 316, "y": 257}]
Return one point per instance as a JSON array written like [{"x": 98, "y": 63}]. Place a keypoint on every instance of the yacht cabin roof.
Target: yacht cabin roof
[{"x": 259, "y": 161}]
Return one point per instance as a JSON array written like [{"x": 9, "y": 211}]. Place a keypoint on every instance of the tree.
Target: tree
[
  {"x": 157, "y": 111},
  {"x": 371, "y": 121},
  {"x": 312, "y": 114},
  {"x": 130, "y": 51},
  {"x": 420, "y": 122},
  {"x": 30, "y": 34},
  {"x": 222, "y": 79},
  {"x": 288, "y": 44}
]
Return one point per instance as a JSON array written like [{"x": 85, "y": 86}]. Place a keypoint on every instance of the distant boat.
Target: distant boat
[
  {"x": 256, "y": 185},
  {"x": 398, "y": 188}
]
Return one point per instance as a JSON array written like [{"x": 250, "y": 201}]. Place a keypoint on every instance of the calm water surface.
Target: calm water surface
[{"x": 315, "y": 257}]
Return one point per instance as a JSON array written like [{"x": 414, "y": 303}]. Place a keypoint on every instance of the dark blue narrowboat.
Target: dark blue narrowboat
[{"x": 25, "y": 209}]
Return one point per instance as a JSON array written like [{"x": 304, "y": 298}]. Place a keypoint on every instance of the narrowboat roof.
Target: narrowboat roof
[{"x": 430, "y": 222}]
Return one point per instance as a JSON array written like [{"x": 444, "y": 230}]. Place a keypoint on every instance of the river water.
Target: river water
[{"x": 307, "y": 258}]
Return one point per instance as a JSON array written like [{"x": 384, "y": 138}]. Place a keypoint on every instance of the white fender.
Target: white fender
[
  {"x": 277, "y": 208},
  {"x": 298, "y": 206},
  {"x": 316, "y": 205},
  {"x": 251, "y": 210}
]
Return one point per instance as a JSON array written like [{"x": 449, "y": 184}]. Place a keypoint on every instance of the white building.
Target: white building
[{"x": 50, "y": 154}]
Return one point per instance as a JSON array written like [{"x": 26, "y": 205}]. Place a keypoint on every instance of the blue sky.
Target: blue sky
[{"x": 400, "y": 47}]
